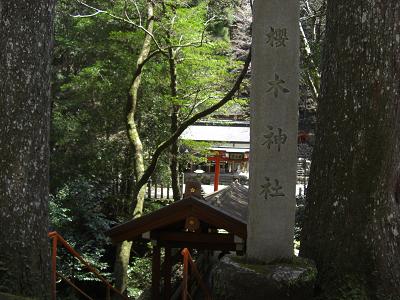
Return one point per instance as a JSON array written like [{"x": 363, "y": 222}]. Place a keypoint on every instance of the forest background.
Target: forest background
[{"x": 195, "y": 51}]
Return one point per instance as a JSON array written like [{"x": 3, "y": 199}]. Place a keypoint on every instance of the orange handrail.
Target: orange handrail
[
  {"x": 187, "y": 259},
  {"x": 57, "y": 238}
]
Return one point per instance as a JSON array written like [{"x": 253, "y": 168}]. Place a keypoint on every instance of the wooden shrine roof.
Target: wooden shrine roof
[
  {"x": 225, "y": 209},
  {"x": 233, "y": 200}
]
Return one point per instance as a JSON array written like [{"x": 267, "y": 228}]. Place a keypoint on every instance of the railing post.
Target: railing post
[
  {"x": 196, "y": 273},
  {"x": 54, "y": 268},
  {"x": 185, "y": 273}
]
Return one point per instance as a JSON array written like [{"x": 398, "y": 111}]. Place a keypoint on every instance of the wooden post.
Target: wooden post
[
  {"x": 54, "y": 269},
  {"x": 167, "y": 274},
  {"x": 185, "y": 274},
  {"x": 156, "y": 273},
  {"x": 217, "y": 171},
  {"x": 182, "y": 181}
]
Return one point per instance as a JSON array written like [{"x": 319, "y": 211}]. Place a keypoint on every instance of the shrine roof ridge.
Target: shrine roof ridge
[{"x": 208, "y": 210}]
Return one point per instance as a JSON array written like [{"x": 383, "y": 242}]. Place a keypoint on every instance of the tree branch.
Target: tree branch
[
  {"x": 164, "y": 145},
  {"x": 307, "y": 49},
  {"x": 126, "y": 20}
]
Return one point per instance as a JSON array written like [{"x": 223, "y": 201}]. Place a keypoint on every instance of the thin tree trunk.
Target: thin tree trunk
[
  {"x": 123, "y": 250},
  {"x": 352, "y": 218},
  {"x": 312, "y": 81},
  {"x": 174, "y": 166},
  {"x": 123, "y": 253},
  {"x": 26, "y": 33}
]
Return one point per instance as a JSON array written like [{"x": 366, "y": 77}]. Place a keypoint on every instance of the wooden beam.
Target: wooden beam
[
  {"x": 194, "y": 237},
  {"x": 155, "y": 275},
  {"x": 198, "y": 246}
]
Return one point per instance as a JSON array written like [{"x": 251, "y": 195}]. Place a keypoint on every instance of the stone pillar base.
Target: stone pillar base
[{"x": 235, "y": 279}]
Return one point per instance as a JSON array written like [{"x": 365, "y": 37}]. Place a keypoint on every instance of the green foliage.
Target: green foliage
[
  {"x": 222, "y": 12},
  {"x": 94, "y": 62},
  {"x": 139, "y": 270},
  {"x": 204, "y": 65},
  {"x": 76, "y": 213},
  {"x": 193, "y": 152},
  {"x": 139, "y": 274},
  {"x": 91, "y": 159},
  {"x": 87, "y": 115},
  {"x": 59, "y": 215}
]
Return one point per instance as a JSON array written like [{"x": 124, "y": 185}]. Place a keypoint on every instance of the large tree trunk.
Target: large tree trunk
[
  {"x": 123, "y": 250},
  {"x": 25, "y": 42},
  {"x": 352, "y": 220}
]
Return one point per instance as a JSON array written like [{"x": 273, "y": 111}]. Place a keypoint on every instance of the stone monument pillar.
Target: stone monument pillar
[{"x": 274, "y": 123}]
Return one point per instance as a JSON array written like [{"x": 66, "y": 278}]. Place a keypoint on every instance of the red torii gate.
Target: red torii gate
[{"x": 217, "y": 159}]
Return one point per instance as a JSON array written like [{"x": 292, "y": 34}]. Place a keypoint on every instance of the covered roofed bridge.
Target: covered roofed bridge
[{"x": 216, "y": 222}]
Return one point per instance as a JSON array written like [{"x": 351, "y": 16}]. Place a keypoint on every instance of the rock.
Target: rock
[{"x": 235, "y": 279}]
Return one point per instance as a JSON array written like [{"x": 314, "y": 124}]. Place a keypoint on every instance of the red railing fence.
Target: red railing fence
[
  {"x": 187, "y": 260},
  {"x": 58, "y": 240}
]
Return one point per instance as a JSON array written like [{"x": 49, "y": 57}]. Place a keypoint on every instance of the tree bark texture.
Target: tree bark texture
[
  {"x": 352, "y": 218},
  {"x": 26, "y": 36},
  {"x": 123, "y": 249}
]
